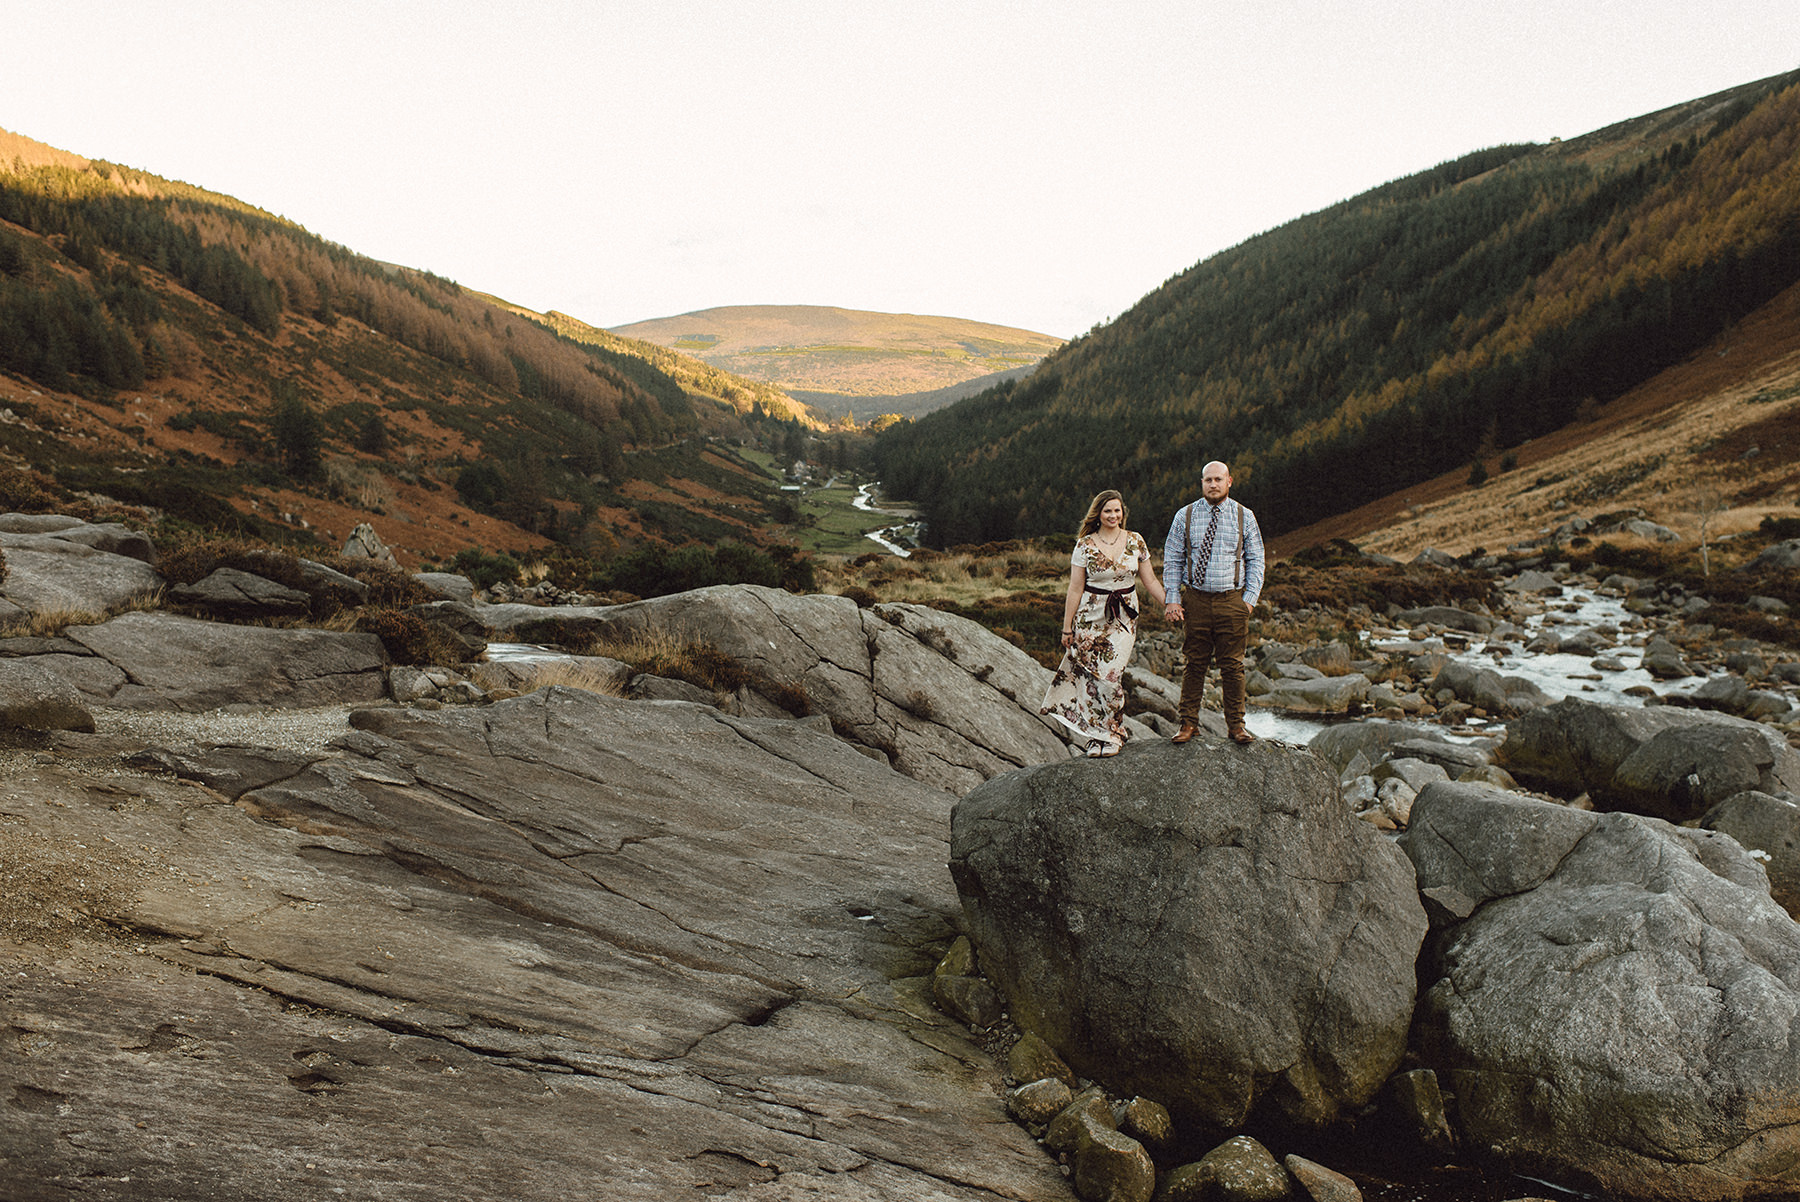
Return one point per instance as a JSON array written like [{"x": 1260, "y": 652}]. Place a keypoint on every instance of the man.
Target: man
[{"x": 1212, "y": 576}]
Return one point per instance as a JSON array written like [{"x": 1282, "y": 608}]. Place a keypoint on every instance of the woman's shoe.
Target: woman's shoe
[{"x": 1096, "y": 749}]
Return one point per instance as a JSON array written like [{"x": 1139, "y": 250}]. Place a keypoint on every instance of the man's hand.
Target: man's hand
[{"x": 1174, "y": 612}]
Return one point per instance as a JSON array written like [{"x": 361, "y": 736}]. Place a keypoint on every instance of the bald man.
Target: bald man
[{"x": 1212, "y": 575}]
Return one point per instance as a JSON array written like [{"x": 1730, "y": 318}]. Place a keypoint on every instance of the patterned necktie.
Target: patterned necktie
[{"x": 1206, "y": 543}]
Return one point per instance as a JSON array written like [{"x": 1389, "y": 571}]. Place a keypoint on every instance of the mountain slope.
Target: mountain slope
[
  {"x": 1388, "y": 339},
  {"x": 852, "y": 352},
  {"x": 169, "y": 347},
  {"x": 1713, "y": 439}
]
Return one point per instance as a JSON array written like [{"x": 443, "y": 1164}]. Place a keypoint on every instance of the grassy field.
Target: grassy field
[{"x": 830, "y": 522}]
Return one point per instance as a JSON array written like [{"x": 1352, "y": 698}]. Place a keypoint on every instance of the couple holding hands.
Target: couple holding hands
[{"x": 1212, "y": 575}]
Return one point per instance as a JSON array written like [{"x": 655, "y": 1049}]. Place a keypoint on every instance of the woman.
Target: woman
[{"x": 1099, "y": 626}]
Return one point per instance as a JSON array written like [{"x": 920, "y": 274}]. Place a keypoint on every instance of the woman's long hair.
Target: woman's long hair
[{"x": 1091, "y": 522}]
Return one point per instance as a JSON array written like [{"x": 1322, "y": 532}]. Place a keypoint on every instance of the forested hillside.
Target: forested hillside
[
  {"x": 186, "y": 351},
  {"x": 1389, "y": 338}
]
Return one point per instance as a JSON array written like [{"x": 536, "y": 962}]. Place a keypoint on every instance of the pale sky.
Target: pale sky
[{"x": 1040, "y": 165}]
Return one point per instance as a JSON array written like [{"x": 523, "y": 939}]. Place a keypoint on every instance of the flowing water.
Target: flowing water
[
  {"x": 1558, "y": 674},
  {"x": 865, "y": 501}
]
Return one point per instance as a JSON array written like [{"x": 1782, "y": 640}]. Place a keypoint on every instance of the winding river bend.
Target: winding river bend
[{"x": 886, "y": 535}]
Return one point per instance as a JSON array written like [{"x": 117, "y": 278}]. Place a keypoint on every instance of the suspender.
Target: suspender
[{"x": 1237, "y": 566}]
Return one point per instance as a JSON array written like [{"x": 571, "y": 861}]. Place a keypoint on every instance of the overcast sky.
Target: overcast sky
[{"x": 1040, "y": 165}]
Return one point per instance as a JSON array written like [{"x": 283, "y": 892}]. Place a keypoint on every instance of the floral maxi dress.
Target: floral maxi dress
[{"x": 1087, "y": 694}]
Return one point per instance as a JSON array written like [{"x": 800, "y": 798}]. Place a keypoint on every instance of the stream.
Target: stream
[
  {"x": 885, "y": 536},
  {"x": 1558, "y": 674}
]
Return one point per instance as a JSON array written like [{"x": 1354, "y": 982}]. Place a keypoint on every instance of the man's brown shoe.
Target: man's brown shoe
[
  {"x": 1241, "y": 735},
  {"x": 1188, "y": 730}
]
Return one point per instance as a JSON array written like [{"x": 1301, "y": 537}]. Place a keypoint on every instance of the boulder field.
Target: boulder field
[{"x": 475, "y": 937}]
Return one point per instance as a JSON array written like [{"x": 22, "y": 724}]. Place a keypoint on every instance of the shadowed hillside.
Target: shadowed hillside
[{"x": 1456, "y": 313}]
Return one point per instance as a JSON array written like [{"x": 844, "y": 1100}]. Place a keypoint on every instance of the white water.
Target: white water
[
  {"x": 1558, "y": 674},
  {"x": 864, "y": 500}
]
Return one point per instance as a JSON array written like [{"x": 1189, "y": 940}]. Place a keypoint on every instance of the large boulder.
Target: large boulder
[
  {"x": 228, "y": 593},
  {"x": 1342, "y": 743},
  {"x": 164, "y": 661},
  {"x": 1318, "y": 695},
  {"x": 32, "y": 697},
  {"x": 560, "y": 946},
  {"x": 1662, "y": 761},
  {"x": 1611, "y": 998},
  {"x": 945, "y": 700},
  {"x": 1205, "y": 925},
  {"x": 1767, "y": 827},
  {"x": 1779, "y": 555},
  {"x": 74, "y": 569},
  {"x": 110, "y": 537},
  {"x": 1447, "y": 616}
]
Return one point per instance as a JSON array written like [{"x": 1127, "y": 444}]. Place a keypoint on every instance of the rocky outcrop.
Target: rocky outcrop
[
  {"x": 230, "y": 594},
  {"x": 63, "y": 565},
  {"x": 163, "y": 661},
  {"x": 560, "y": 943},
  {"x": 1204, "y": 925},
  {"x": 34, "y": 698},
  {"x": 1666, "y": 762},
  {"x": 1610, "y": 997},
  {"x": 945, "y": 700}
]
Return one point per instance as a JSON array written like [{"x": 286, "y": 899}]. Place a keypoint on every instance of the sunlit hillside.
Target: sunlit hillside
[
  {"x": 845, "y": 352},
  {"x": 173, "y": 348}
]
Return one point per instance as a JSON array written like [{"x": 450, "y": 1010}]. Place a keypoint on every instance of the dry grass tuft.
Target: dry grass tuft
[
  {"x": 575, "y": 674},
  {"x": 660, "y": 653},
  {"x": 50, "y": 623}
]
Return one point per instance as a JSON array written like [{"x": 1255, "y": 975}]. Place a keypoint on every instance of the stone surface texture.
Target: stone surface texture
[
  {"x": 1612, "y": 1000},
  {"x": 1204, "y": 925},
  {"x": 561, "y": 946}
]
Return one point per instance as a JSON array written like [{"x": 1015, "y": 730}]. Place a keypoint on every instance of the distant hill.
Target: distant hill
[
  {"x": 849, "y": 352},
  {"x": 863, "y": 409},
  {"x": 1440, "y": 319}
]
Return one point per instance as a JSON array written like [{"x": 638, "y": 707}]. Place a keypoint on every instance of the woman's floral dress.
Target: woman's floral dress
[{"x": 1086, "y": 695}]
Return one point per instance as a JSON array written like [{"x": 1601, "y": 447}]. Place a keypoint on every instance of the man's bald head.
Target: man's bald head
[{"x": 1215, "y": 481}]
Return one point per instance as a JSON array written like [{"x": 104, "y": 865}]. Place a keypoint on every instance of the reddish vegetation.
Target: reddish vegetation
[{"x": 1698, "y": 415}]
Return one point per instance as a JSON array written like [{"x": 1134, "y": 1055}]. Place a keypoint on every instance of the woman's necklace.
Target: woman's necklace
[{"x": 1112, "y": 546}]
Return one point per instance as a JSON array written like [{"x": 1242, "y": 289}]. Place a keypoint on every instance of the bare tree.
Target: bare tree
[{"x": 1708, "y": 503}]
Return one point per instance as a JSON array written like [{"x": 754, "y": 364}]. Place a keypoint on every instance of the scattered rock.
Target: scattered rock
[
  {"x": 364, "y": 543},
  {"x": 1034, "y": 1104},
  {"x": 1240, "y": 1169},
  {"x": 1320, "y": 1183}
]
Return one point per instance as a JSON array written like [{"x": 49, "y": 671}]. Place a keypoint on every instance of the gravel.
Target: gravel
[{"x": 302, "y": 730}]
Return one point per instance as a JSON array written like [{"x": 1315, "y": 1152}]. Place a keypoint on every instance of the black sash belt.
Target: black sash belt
[{"x": 1116, "y": 603}]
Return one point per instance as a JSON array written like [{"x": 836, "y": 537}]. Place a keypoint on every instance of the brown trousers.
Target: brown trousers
[{"x": 1216, "y": 627}]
